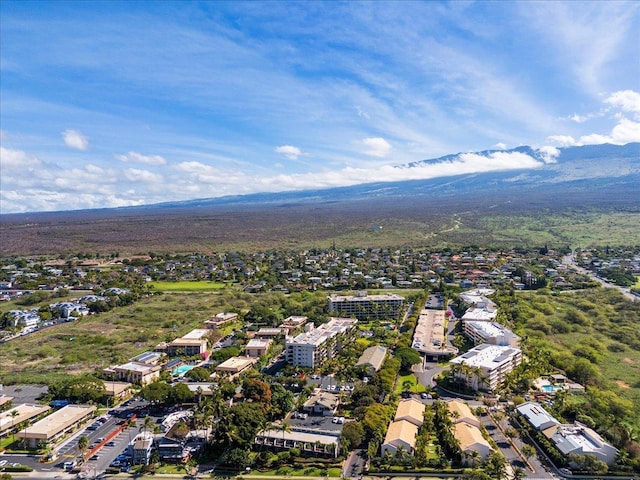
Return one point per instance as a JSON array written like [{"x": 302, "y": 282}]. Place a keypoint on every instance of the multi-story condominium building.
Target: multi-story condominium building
[
  {"x": 490, "y": 332},
  {"x": 367, "y": 307},
  {"x": 484, "y": 314},
  {"x": 313, "y": 347},
  {"x": 485, "y": 366}
]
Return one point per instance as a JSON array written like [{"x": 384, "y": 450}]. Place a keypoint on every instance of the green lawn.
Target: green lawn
[
  {"x": 300, "y": 472},
  {"x": 415, "y": 386},
  {"x": 188, "y": 286}
]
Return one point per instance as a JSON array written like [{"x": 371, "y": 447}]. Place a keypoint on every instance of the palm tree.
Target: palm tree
[
  {"x": 284, "y": 427},
  {"x": 528, "y": 451},
  {"x": 147, "y": 425},
  {"x": 83, "y": 444},
  {"x": 518, "y": 473},
  {"x": 13, "y": 414},
  {"x": 496, "y": 465}
]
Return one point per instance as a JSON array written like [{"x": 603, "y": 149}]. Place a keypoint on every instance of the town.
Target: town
[{"x": 379, "y": 361}]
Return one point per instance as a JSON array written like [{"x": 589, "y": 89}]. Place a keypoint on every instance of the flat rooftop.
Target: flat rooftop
[
  {"x": 236, "y": 364},
  {"x": 196, "y": 334},
  {"x": 136, "y": 367},
  {"x": 53, "y": 424},
  {"x": 26, "y": 411},
  {"x": 303, "y": 437},
  {"x": 487, "y": 356},
  {"x": 480, "y": 314},
  {"x": 321, "y": 334},
  {"x": 367, "y": 298}
]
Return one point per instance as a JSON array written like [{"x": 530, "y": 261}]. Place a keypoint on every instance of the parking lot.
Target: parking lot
[
  {"x": 315, "y": 422},
  {"x": 24, "y": 393}
]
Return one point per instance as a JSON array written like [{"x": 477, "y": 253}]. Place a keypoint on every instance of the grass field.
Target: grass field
[
  {"x": 101, "y": 340},
  {"x": 597, "y": 324},
  {"x": 189, "y": 286}
]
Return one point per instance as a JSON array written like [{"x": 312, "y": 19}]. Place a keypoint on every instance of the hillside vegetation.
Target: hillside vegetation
[
  {"x": 375, "y": 223},
  {"x": 594, "y": 336}
]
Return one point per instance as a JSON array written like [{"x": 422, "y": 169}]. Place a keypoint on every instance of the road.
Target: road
[{"x": 569, "y": 261}]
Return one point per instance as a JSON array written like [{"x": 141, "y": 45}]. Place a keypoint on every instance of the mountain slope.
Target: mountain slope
[{"x": 575, "y": 168}]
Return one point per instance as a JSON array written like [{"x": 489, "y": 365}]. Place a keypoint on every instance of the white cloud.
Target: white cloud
[
  {"x": 577, "y": 118},
  {"x": 17, "y": 159},
  {"x": 137, "y": 175},
  {"x": 289, "y": 151},
  {"x": 626, "y": 131},
  {"x": 135, "y": 157},
  {"x": 500, "y": 146},
  {"x": 549, "y": 154},
  {"x": 562, "y": 140},
  {"x": 74, "y": 139},
  {"x": 626, "y": 100},
  {"x": 377, "y": 147}
]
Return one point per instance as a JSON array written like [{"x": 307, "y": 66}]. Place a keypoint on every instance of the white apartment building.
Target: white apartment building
[
  {"x": 484, "y": 314},
  {"x": 367, "y": 307},
  {"x": 313, "y": 347},
  {"x": 490, "y": 332},
  {"x": 487, "y": 365}
]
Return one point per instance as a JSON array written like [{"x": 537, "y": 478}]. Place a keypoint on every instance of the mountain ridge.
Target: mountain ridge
[{"x": 585, "y": 167}]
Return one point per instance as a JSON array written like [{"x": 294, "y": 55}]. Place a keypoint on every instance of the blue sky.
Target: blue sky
[{"x": 107, "y": 104}]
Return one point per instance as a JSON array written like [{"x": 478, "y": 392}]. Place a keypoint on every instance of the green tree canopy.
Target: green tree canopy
[{"x": 408, "y": 357}]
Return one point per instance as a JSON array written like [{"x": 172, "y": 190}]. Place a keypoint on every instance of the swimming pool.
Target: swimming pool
[
  {"x": 551, "y": 388},
  {"x": 182, "y": 369}
]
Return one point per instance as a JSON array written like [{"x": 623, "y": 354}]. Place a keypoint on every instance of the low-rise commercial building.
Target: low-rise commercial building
[
  {"x": 400, "y": 434},
  {"x": 56, "y": 424},
  {"x": 152, "y": 358},
  {"x": 312, "y": 348},
  {"x": 387, "y": 306},
  {"x": 23, "y": 413},
  {"x": 270, "y": 333},
  {"x": 193, "y": 343},
  {"x": 309, "y": 443},
  {"x": 235, "y": 365},
  {"x": 115, "y": 391}
]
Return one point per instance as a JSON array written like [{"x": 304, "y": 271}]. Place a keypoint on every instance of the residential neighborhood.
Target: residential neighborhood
[{"x": 428, "y": 378}]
